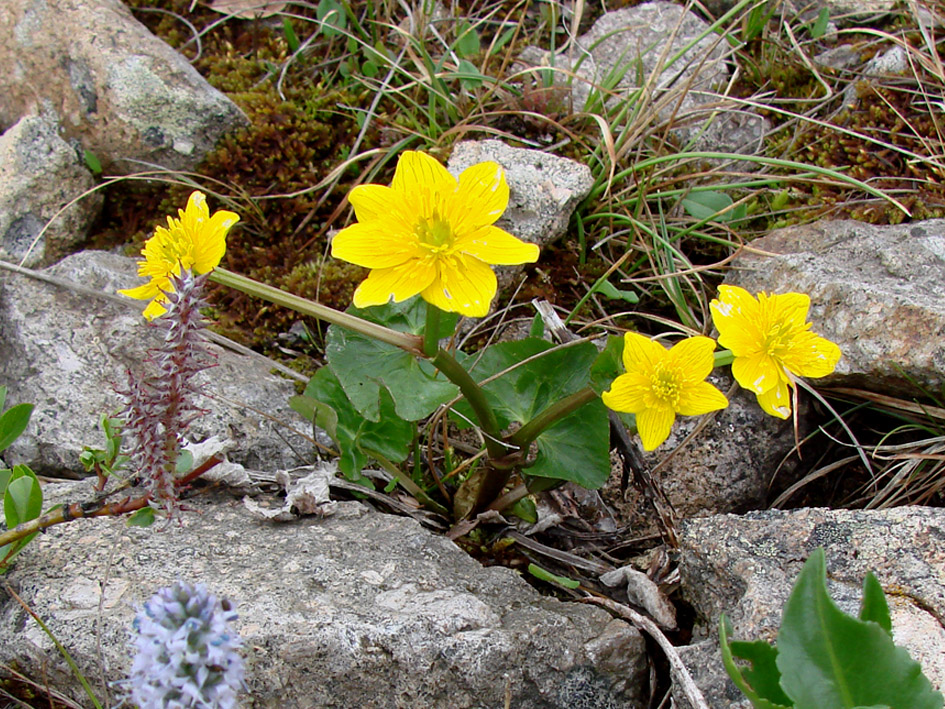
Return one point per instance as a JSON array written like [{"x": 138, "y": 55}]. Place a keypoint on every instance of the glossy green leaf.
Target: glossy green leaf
[
  {"x": 365, "y": 367},
  {"x": 760, "y": 681},
  {"x": 13, "y": 422},
  {"x": 874, "y": 606},
  {"x": 355, "y": 436},
  {"x": 576, "y": 448},
  {"x": 23, "y": 497},
  {"x": 830, "y": 659}
]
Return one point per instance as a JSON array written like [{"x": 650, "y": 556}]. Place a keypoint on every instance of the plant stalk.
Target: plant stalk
[
  {"x": 406, "y": 341},
  {"x": 524, "y": 436}
]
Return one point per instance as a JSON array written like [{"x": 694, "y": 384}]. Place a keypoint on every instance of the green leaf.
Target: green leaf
[
  {"x": 369, "y": 69},
  {"x": 819, "y": 28},
  {"x": 467, "y": 40},
  {"x": 760, "y": 681},
  {"x": 332, "y": 15},
  {"x": 141, "y": 518},
  {"x": 13, "y": 422},
  {"x": 540, "y": 573},
  {"x": 468, "y": 75},
  {"x": 874, "y": 606},
  {"x": 576, "y": 448},
  {"x": 92, "y": 162},
  {"x": 365, "y": 366},
  {"x": 3, "y": 396},
  {"x": 5, "y": 475},
  {"x": 537, "y": 328},
  {"x": 830, "y": 659},
  {"x": 707, "y": 205},
  {"x": 609, "y": 290},
  {"x": 525, "y": 509},
  {"x": 355, "y": 436},
  {"x": 291, "y": 38},
  {"x": 23, "y": 497},
  {"x": 185, "y": 462}
]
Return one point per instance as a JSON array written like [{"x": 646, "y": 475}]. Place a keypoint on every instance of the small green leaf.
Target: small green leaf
[
  {"x": 537, "y": 328},
  {"x": 525, "y": 509},
  {"x": 707, "y": 205},
  {"x": 780, "y": 200},
  {"x": 469, "y": 76},
  {"x": 13, "y": 422},
  {"x": 830, "y": 659},
  {"x": 819, "y": 28},
  {"x": 332, "y": 15},
  {"x": 608, "y": 290},
  {"x": 23, "y": 497},
  {"x": 92, "y": 162},
  {"x": 467, "y": 40},
  {"x": 291, "y": 38},
  {"x": 185, "y": 462},
  {"x": 141, "y": 518},
  {"x": 760, "y": 682},
  {"x": 369, "y": 69},
  {"x": 503, "y": 40},
  {"x": 542, "y": 574},
  {"x": 3, "y": 396},
  {"x": 874, "y": 606},
  {"x": 365, "y": 366},
  {"x": 5, "y": 475}
]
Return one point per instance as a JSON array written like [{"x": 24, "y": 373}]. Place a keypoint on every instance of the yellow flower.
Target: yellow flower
[
  {"x": 431, "y": 234},
  {"x": 196, "y": 241},
  {"x": 661, "y": 383},
  {"x": 771, "y": 340}
]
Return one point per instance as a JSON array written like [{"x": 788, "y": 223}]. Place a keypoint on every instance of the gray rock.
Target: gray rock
[
  {"x": 727, "y": 467},
  {"x": 67, "y": 353},
  {"x": 746, "y": 566},
  {"x": 877, "y": 291},
  {"x": 39, "y": 175},
  {"x": 544, "y": 189},
  {"x": 118, "y": 89},
  {"x": 844, "y": 12},
  {"x": 354, "y": 610},
  {"x": 626, "y": 46},
  {"x": 892, "y": 62}
]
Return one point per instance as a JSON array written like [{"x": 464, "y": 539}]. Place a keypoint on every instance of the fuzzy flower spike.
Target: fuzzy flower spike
[
  {"x": 661, "y": 383},
  {"x": 195, "y": 242},
  {"x": 433, "y": 235},
  {"x": 772, "y": 342}
]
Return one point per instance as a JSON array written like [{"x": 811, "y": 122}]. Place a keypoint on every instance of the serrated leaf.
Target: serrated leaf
[
  {"x": 874, "y": 606},
  {"x": 707, "y": 205},
  {"x": 355, "y": 436},
  {"x": 576, "y": 448},
  {"x": 759, "y": 683},
  {"x": 13, "y": 422},
  {"x": 830, "y": 659},
  {"x": 365, "y": 366}
]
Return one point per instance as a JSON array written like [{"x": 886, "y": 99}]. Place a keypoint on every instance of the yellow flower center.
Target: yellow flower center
[
  {"x": 778, "y": 340},
  {"x": 435, "y": 233},
  {"x": 665, "y": 384}
]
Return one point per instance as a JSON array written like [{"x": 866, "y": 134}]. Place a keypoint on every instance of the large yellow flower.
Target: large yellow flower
[
  {"x": 771, "y": 340},
  {"x": 661, "y": 383},
  {"x": 431, "y": 234},
  {"x": 196, "y": 241}
]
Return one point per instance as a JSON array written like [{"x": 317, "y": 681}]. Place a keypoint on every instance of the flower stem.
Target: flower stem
[
  {"x": 550, "y": 416},
  {"x": 723, "y": 358},
  {"x": 431, "y": 339},
  {"x": 476, "y": 397},
  {"x": 406, "y": 341}
]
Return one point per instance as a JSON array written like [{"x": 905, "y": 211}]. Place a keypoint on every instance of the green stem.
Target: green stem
[
  {"x": 408, "y": 484},
  {"x": 550, "y": 416},
  {"x": 406, "y": 341},
  {"x": 431, "y": 340},
  {"x": 476, "y": 397},
  {"x": 723, "y": 358}
]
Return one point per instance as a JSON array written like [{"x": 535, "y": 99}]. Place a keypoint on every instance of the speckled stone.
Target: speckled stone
[{"x": 359, "y": 609}]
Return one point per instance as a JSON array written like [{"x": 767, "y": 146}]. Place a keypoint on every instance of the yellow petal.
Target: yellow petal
[
  {"x": 788, "y": 308},
  {"x": 811, "y": 355},
  {"x": 776, "y": 401},
  {"x": 737, "y": 316},
  {"x": 372, "y": 246},
  {"x": 700, "y": 398},
  {"x": 482, "y": 196},
  {"x": 495, "y": 246},
  {"x": 627, "y": 393},
  {"x": 210, "y": 242},
  {"x": 464, "y": 285},
  {"x": 641, "y": 354},
  {"x": 379, "y": 203},
  {"x": 757, "y": 373},
  {"x": 400, "y": 282},
  {"x": 654, "y": 426},
  {"x": 693, "y": 357},
  {"x": 418, "y": 174},
  {"x": 145, "y": 292},
  {"x": 155, "y": 307}
]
